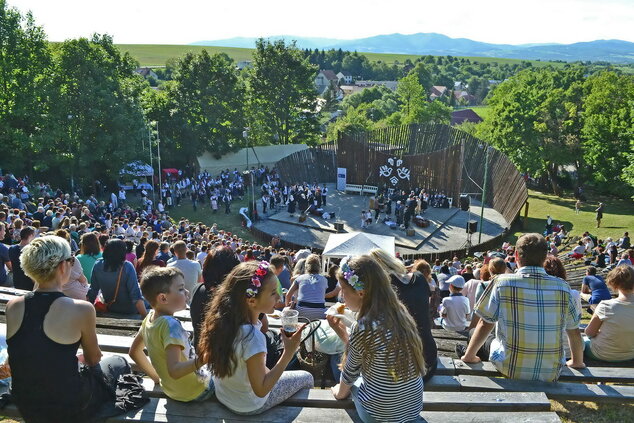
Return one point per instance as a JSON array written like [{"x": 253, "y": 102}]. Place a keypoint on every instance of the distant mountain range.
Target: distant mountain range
[{"x": 617, "y": 51}]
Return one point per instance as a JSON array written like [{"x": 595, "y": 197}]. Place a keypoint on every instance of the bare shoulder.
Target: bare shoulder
[
  {"x": 15, "y": 303},
  {"x": 83, "y": 307}
]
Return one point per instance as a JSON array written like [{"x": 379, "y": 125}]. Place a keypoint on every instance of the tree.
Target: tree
[
  {"x": 423, "y": 73},
  {"x": 96, "y": 119},
  {"x": 208, "y": 99},
  {"x": 281, "y": 95},
  {"x": 535, "y": 120},
  {"x": 25, "y": 69},
  {"x": 429, "y": 112},
  {"x": 608, "y": 127},
  {"x": 410, "y": 91},
  {"x": 355, "y": 120}
]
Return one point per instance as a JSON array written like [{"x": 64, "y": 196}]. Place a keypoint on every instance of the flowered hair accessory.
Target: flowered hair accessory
[
  {"x": 257, "y": 279},
  {"x": 350, "y": 276}
]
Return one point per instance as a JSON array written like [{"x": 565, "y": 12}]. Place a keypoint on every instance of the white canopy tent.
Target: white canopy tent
[{"x": 355, "y": 244}]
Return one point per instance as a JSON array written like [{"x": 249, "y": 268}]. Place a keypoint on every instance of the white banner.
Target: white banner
[{"x": 341, "y": 178}]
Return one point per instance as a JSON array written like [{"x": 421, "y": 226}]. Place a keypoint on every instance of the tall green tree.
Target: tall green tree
[
  {"x": 25, "y": 71},
  {"x": 410, "y": 91},
  {"x": 536, "y": 118},
  {"x": 281, "y": 95},
  {"x": 608, "y": 127},
  {"x": 97, "y": 119},
  {"x": 424, "y": 75},
  {"x": 208, "y": 99}
]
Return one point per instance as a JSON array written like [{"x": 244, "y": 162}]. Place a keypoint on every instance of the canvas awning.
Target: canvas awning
[
  {"x": 356, "y": 243},
  {"x": 137, "y": 168}
]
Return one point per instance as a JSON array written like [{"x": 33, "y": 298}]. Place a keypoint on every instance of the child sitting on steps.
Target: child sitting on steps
[
  {"x": 235, "y": 349},
  {"x": 173, "y": 362}
]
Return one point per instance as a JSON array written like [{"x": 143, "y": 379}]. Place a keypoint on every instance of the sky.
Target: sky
[{"x": 188, "y": 21}]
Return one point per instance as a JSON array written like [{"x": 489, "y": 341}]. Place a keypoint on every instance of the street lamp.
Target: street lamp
[
  {"x": 158, "y": 153},
  {"x": 245, "y": 135},
  {"x": 484, "y": 190}
]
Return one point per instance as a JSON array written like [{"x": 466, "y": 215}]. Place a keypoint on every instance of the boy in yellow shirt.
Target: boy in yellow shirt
[{"x": 173, "y": 362}]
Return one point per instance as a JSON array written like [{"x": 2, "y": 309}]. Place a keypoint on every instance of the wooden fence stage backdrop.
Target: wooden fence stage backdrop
[{"x": 435, "y": 157}]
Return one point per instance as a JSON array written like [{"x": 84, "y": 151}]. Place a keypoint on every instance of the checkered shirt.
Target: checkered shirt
[{"x": 531, "y": 310}]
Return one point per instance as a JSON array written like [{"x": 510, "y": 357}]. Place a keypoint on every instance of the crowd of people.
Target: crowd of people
[{"x": 76, "y": 256}]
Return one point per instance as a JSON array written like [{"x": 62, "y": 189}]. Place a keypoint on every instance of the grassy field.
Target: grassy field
[
  {"x": 158, "y": 54},
  {"x": 483, "y": 111},
  {"x": 617, "y": 218}
]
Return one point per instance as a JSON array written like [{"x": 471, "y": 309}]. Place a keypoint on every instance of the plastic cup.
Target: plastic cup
[{"x": 289, "y": 321}]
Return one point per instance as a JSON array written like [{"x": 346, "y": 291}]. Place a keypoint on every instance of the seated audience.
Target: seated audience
[
  {"x": 610, "y": 331},
  {"x": 384, "y": 362},
  {"x": 522, "y": 349},
  {"x": 310, "y": 289},
  {"x": 218, "y": 263},
  {"x": 455, "y": 311},
  {"x": 50, "y": 383},
  {"x": 116, "y": 279},
  {"x": 233, "y": 346},
  {"x": 593, "y": 288},
  {"x": 173, "y": 362},
  {"x": 413, "y": 291},
  {"x": 89, "y": 253}
]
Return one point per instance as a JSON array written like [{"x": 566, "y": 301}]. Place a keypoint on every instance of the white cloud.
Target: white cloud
[{"x": 186, "y": 21}]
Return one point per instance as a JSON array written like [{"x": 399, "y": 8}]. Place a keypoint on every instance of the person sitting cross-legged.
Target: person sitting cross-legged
[{"x": 530, "y": 311}]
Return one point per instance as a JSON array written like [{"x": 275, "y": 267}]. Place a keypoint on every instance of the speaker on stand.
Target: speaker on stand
[{"x": 465, "y": 202}]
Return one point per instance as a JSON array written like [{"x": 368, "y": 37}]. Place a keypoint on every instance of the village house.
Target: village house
[
  {"x": 464, "y": 115},
  {"x": 345, "y": 78},
  {"x": 437, "y": 91},
  {"x": 325, "y": 79},
  {"x": 147, "y": 73}
]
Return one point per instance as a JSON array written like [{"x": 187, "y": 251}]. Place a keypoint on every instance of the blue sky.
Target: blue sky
[{"x": 186, "y": 21}]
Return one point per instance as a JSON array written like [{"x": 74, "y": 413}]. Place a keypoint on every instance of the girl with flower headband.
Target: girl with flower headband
[
  {"x": 383, "y": 364},
  {"x": 235, "y": 349}
]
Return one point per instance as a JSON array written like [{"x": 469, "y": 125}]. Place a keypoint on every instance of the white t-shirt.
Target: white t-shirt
[
  {"x": 191, "y": 270},
  {"x": 454, "y": 311},
  {"x": 235, "y": 392},
  {"x": 201, "y": 257},
  {"x": 615, "y": 340}
]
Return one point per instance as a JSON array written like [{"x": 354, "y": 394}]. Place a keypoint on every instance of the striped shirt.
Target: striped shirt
[
  {"x": 532, "y": 309},
  {"x": 382, "y": 397}
]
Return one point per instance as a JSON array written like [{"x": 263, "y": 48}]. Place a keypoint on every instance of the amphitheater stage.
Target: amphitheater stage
[{"x": 446, "y": 232}]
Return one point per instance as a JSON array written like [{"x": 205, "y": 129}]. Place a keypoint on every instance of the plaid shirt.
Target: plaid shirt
[{"x": 532, "y": 309}]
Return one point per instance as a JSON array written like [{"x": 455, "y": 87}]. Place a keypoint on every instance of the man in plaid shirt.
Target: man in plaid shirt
[{"x": 530, "y": 311}]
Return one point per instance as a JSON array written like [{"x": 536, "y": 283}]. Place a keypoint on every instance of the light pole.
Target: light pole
[
  {"x": 484, "y": 191},
  {"x": 160, "y": 173},
  {"x": 149, "y": 135},
  {"x": 245, "y": 134}
]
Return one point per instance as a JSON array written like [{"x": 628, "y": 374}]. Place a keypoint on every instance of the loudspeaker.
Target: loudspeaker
[
  {"x": 338, "y": 226},
  {"x": 472, "y": 226},
  {"x": 410, "y": 232},
  {"x": 465, "y": 202}
]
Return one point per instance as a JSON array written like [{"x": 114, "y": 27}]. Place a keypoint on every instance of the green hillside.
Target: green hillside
[{"x": 158, "y": 54}]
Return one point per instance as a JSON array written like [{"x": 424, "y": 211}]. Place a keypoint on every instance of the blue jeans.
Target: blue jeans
[
  {"x": 363, "y": 414},
  {"x": 207, "y": 393}
]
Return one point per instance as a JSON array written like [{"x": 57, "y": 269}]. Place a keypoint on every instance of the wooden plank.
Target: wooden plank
[
  {"x": 589, "y": 374},
  {"x": 160, "y": 410},
  {"x": 433, "y": 401},
  {"x": 553, "y": 390}
]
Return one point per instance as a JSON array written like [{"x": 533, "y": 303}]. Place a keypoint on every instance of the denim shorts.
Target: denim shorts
[{"x": 209, "y": 392}]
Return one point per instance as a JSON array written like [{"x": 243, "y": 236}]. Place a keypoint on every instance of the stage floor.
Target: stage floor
[{"x": 446, "y": 231}]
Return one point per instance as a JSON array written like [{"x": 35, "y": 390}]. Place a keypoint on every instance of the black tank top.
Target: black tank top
[{"x": 46, "y": 384}]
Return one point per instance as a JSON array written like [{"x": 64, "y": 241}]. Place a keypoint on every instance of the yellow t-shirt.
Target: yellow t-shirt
[{"x": 158, "y": 334}]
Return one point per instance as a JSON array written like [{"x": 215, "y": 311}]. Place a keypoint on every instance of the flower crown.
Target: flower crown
[
  {"x": 257, "y": 279},
  {"x": 350, "y": 276}
]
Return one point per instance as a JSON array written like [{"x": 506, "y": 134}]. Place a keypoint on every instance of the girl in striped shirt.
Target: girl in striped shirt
[{"x": 383, "y": 364}]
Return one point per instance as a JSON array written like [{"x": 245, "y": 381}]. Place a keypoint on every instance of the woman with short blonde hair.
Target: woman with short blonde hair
[{"x": 44, "y": 331}]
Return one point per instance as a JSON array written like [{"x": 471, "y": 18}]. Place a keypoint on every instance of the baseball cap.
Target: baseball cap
[{"x": 457, "y": 281}]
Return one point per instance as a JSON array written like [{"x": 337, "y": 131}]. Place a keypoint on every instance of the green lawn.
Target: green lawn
[
  {"x": 483, "y": 111},
  {"x": 618, "y": 215},
  {"x": 158, "y": 54}
]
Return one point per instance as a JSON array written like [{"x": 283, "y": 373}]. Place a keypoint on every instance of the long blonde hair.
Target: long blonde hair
[{"x": 381, "y": 305}]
